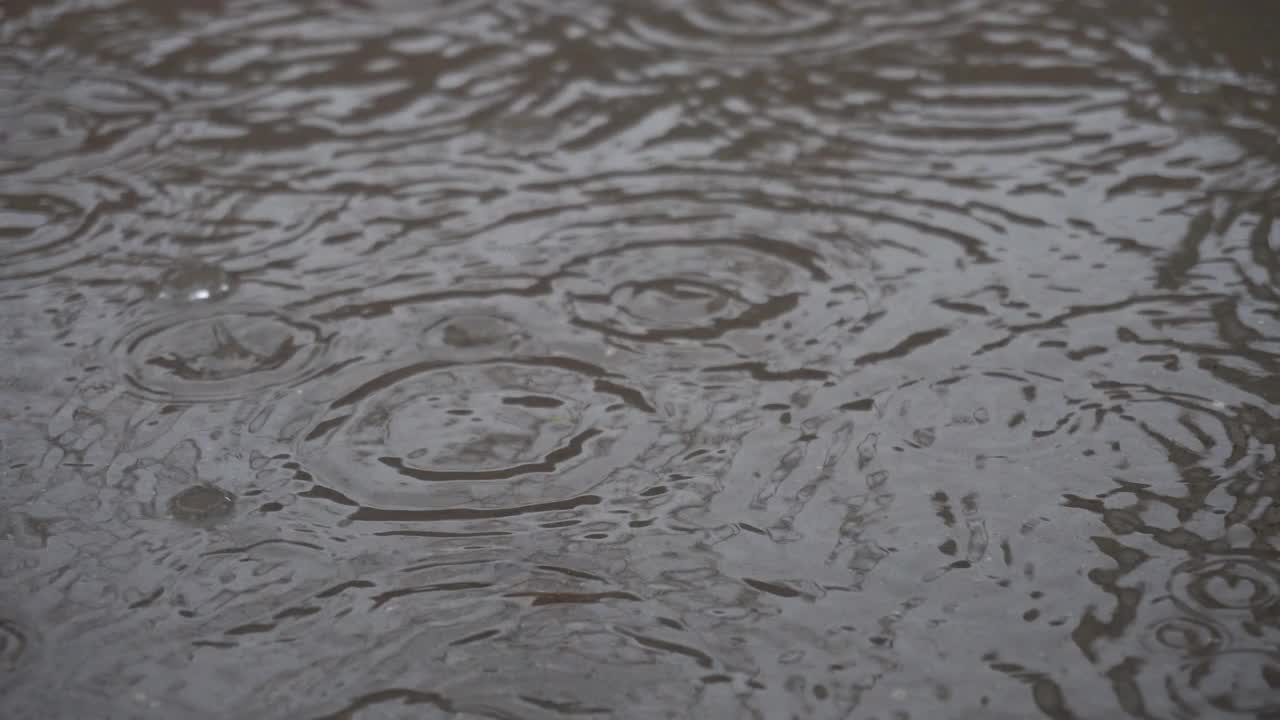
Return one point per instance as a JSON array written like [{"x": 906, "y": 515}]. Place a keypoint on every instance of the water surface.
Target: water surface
[{"x": 531, "y": 359}]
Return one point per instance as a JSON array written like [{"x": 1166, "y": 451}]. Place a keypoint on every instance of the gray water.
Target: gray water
[{"x": 673, "y": 359}]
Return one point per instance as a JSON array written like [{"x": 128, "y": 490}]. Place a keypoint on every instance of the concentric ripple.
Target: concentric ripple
[
  {"x": 680, "y": 267},
  {"x": 755, "y": 29},
  {"x": 513, "y": 431},
  {"x": 38, "y": 232},
  {"x": 1231, "y": 584},
  {"x": 716, "y": 277},
  {"x": 13, "y": 645},
  {"x": 1187, "y": 635},
  {"x": 400, "y": 11},
  {"x": 70, "y": 110},
  {"x": 696, "y": 289},
  {"x": 781, "y": 223},
  {"x": 758, "y": 297},
  {"x": 989, "y": 414},
  {"x": 1236, "y": 683},
  {"x": 219, "y": 354},
  {"x": 33, "y": 132}
]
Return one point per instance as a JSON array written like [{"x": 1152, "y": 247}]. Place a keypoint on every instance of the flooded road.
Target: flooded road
[{"x": 875, "y": 359}]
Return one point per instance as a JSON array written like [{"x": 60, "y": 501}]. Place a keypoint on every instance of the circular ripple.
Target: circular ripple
[
  {"x": 707, "y": 286},
  {"x": 751, "y": 28},
  {"x": 41, "y": 132},
  {"x": 38, "y": 232},
  {"x": 511, "y": 432},
  {"x": 1187, "y": 635},
  {"x": 50, "y": 113},
  {"x": 219, "y": 354},
  {"x": 1226, "y": 584},
  {"x": 1244, "y": 683},
  {"x": 35, "y": 128},
  {"x": 764, "y": 29},
  {"x": 684, "y": 268},
  {"x": 1000, "y": 415},
  {"x": 13, "y": 645},
  {"x": 694, "y": 289},
  {"x": 401, "y": 11}
]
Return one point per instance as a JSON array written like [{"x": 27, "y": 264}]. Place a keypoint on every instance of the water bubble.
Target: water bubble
[
  {"x": 194, "y": 280},
  {"x": 470, "y": 334},
  {"x": 202, "y": 503}
]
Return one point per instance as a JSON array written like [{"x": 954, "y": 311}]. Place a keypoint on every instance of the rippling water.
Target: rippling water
[{"x": 752, "y": 358}]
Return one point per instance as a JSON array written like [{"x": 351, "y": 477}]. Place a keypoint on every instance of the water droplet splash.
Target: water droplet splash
[{"x": 219, "y": 353}]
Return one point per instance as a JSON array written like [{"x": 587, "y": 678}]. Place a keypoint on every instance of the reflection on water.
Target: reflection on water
[{"x": 772, "y": 358}]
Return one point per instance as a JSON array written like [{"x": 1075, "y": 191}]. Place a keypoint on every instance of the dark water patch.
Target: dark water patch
[
  {"x": 418, "y": 516},
  {"x": 549, "y": 598},
  {"x": 404, "y": 697},
  {"x": 246, "y": 548}
]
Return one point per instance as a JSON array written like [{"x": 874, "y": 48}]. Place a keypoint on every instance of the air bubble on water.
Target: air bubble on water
[
  {"x": 202, "y": 503},
  {"x": 194, "y": 280}
]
